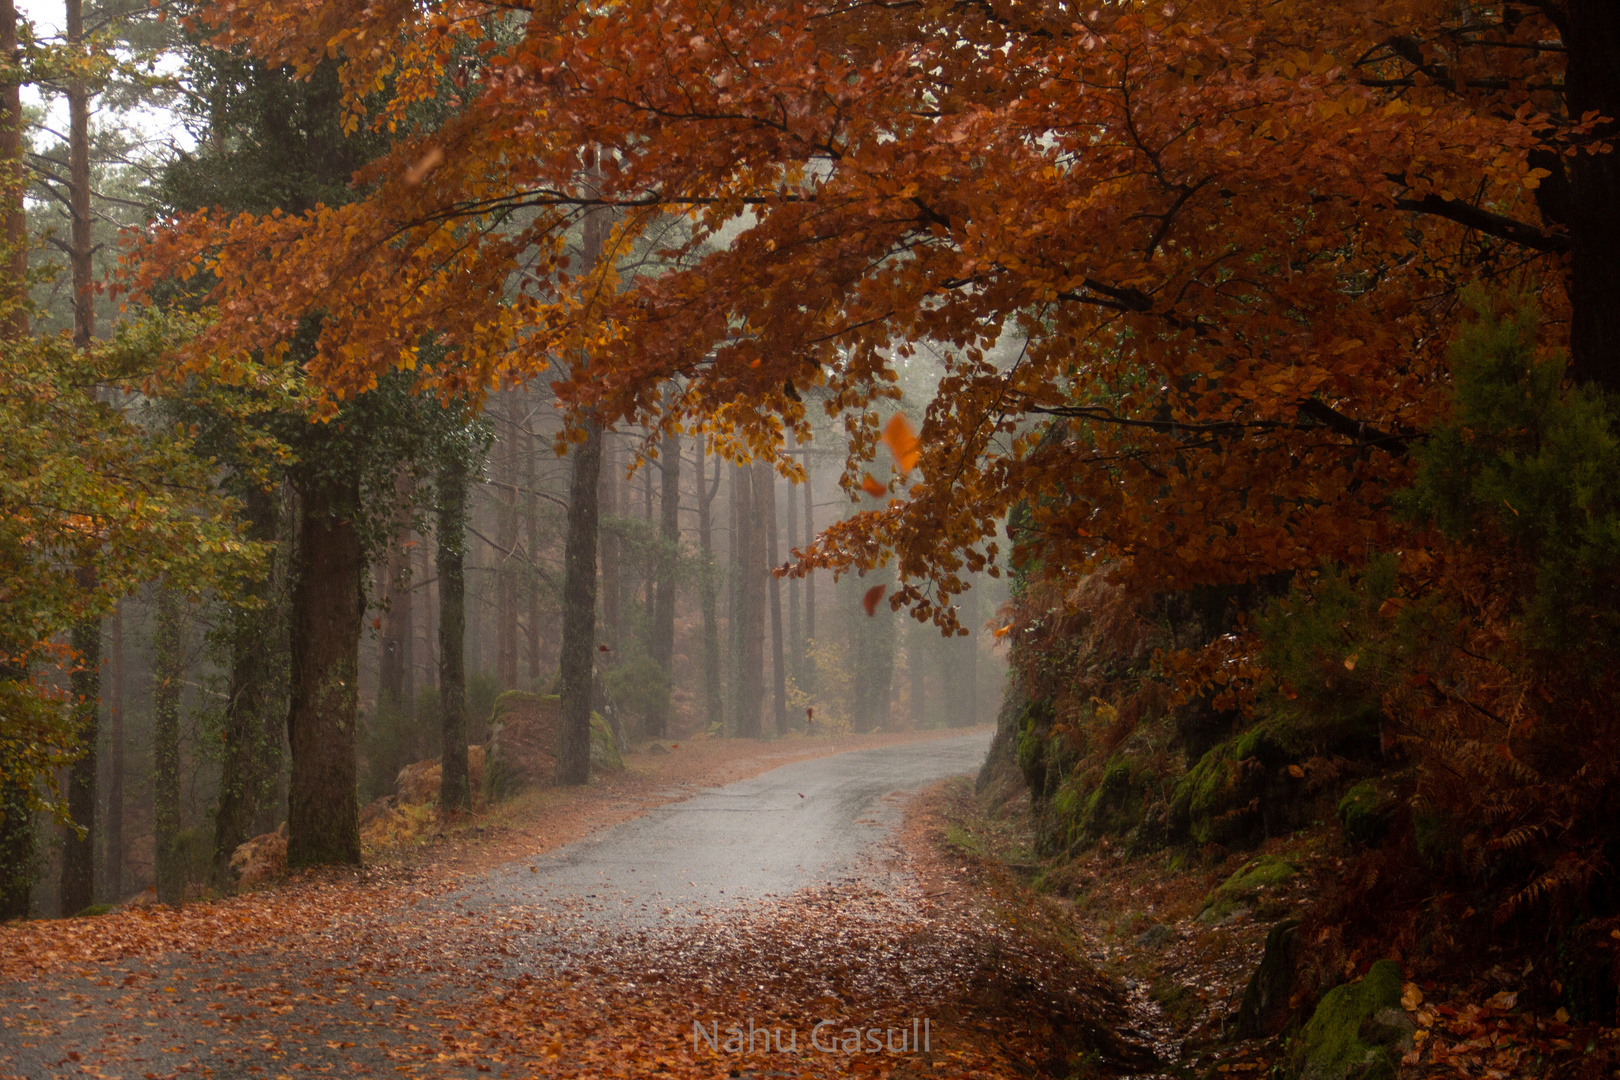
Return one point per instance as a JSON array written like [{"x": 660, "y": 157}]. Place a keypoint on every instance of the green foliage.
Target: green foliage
[
  {"x": 482, "y": 692},
  {"x": 390, "y": 740},
  {"x": 1224, "y": 798},
  {"x": 1530, "y": 464},
  {"x": 639, "y": 685},
  {"x": 1366, "y": 812}
]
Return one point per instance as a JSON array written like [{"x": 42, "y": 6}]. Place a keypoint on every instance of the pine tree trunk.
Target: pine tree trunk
[
  {"x": 451, "y": 535},
  {"x": 245, "y": 776},
  {"x": 713, "y": 694},
  {"x": 113, "y": 827},
  {"x": 969, "y": 657},
  {"x": 531, "y": 542},
  {"x": 917, "y": 672},
  {"x": 1587, "y": 202},
  {"x": 669, "y": 535},
  {"x": 18, "y": 854},
  {"x": 765, "y": 490},
  {"x": 809, "y": 579},
  {"x": 13, "y": 293},
  {"x": 795, "y": 620},
  {"x": 78, "y": 852},
  {"x": 506, "y": 533},
  {"x": 577, "y": 662},
  {"x": 167, "y": 685},
  {"x": 579, "y": 612},
  {"x": 609, "y": 547},
  {"x": 751, "y": 589},
  {"x": 328, "y": 611}
]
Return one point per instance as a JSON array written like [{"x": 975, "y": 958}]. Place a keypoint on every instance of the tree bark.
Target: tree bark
[
  {"x": 669, "y": 535},
  {"x": 609, "y": 547},
  {"x": 113, "y": 821},
  {"x": 713, "y": 694},
  {"x": 506, "y": 534},
  {"x": 579, "y": 611},
  {"x": 18, "y": 854},
  {"x": 809, "y": 579},
  {"x": 765, "y": 491},
  {"x": 451, "y": 534},
  {"x": 795, "y": 620},
  {"x": 751, "y": 587},
  {"x": 1588, "y": 202},
  {"x": 395, "y": 687},
  {"x": 245, "y": 772},
  {"x": 328, "y": 612},
  {"x": 167, "y": 685},
  {"x": 13, "y": 293},
  {"x": 531, "y": 520},
  {"x": 578, "y": 659}
]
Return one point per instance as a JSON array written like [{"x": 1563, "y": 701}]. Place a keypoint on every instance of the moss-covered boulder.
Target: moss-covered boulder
[
  {"x": 1238, "y": 793},
  {"x": 1367, "y": 811},
  {"x": 1250, "y": 885},
  {"x": 1265, "y": 1008},
  {"x": 604, "y": 747},
  {"x": 1358, "y": 1031}
]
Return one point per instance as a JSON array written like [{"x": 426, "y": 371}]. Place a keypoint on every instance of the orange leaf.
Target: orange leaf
[
  {"x": 902, "y": 442},
  {"x": 870, "y": 600},
  {"x": 426, "y": 164},
  {"x": 872, "y": 487},
  {"x": 1004, "y": 631}
]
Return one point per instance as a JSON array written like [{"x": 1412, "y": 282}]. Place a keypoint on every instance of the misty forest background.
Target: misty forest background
[{"x": 696, "y": 635}]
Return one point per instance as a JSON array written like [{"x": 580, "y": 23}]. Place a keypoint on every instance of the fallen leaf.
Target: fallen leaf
[
  {"x": 424, "y": 165},
  {"x": 902, "y": 442}
]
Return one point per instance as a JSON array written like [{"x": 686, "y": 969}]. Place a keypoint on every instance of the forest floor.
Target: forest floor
[{"x": 917, "y": 959}]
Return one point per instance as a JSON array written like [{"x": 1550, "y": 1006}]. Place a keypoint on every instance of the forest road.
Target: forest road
[{"x": 388, "y": 985}]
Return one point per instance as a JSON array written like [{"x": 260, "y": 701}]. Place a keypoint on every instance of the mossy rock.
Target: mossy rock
[
  {"x": 604, "y": 747},
  {"x": 1238, "y": 792},
  {"x": 1115, "y": 806},
  {"x": 1251, "y": 880},
  {"x": 1265, "y": 1000},
  {"x": 1366, "y": 812},
  {"x": 1358, "y": 1030}
]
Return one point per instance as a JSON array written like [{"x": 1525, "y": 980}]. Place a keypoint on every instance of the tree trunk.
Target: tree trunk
[
  {"x": 167, "y": 685},
  {"x": 969, "y": 658},
  {"x": 506, "y": 534},
  {"x": 531, "y": 520},
  {"x": 750, "y": 586},
  {"x": 917, "y": 672},
  {"x": 1588, "y": 202},
  {"x": 78, "y": 849},
  {"x": 451, "y": 535},
  {"x": 874, "y": 658},
  {"x": 765, "y": 491},
  {"x": 245, "y": 776},
  {"x": 394, "y": 683},
  {"x": 578, "y": 659},
  {"x": 18, "y": 854},
  {"x": 713, "y": 695},
  {"x": 113, "y": 821},
  {"x": 328, "y": 611},
  {"x": 795, "y": 620},
  {"x": 579, "y": 611},
  {"x": 14, "y": 293},
  {"x": 809, "y": 579},
  {"x": 609, "y": 547},
  {"x": 78, "y": 853},
  {"x": 669, "y": 536}
]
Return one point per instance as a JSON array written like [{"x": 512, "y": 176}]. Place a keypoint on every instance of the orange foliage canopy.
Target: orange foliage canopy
[{"x": 1225, "y": 238}]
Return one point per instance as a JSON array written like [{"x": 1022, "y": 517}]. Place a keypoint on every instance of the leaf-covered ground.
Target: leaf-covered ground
[{"x": 380, "y": 971}]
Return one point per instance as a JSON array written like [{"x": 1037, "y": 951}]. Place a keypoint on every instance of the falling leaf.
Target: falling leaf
[
  {"x": 872, "y": 487},
  {"x": 1004, "y": 631},
  {"x": 1296, "y": 772},
  {"x": 902, "y": 442},
  {"x": 870, "y": 600},
  {"x": 424, "y": 165},
  {"x": 1350, "y": 662}
]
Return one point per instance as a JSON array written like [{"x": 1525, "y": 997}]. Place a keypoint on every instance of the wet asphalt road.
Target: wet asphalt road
[
  {"x": 804, "y": 824},
  {"x": 799, "y": 825}
]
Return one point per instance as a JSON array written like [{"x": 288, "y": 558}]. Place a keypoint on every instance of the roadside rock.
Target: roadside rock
[
  {"x": 1358, "y": 1030},
  {"x": 1265, "y": 1000}
]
